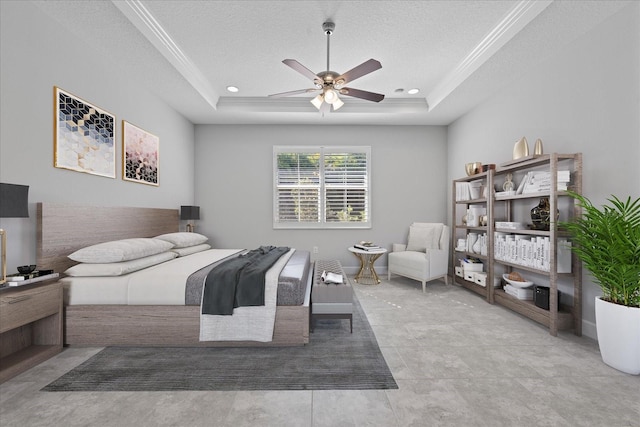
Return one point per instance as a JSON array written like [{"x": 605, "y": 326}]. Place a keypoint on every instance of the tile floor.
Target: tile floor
[{"x": 458, "y": 361}]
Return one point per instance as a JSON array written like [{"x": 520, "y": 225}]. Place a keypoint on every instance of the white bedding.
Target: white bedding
[{"x": 162, "y": 284}]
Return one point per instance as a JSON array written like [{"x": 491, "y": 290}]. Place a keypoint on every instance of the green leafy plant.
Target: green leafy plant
[{"x": 607, "y": 240}]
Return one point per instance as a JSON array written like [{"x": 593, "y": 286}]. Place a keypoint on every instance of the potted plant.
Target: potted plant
[{"x": 607, "y": 241}]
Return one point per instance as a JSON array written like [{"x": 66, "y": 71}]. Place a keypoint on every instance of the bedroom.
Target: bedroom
[{"x": 582, "y": 98}]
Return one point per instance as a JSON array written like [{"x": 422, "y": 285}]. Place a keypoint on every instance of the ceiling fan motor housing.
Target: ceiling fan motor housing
[{"x": 328, "y": 27}]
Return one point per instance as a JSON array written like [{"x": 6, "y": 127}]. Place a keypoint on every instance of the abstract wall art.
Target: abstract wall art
[
  {"x": 84, "y": 136},
  {"x": 140, "y": 155}
]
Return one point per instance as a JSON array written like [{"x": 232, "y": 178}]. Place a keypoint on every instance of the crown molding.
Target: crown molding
[
  {"x": 145, "y": 22},
  {"x": 518, "y": 18},
  {"x": 302, "y": 105}
]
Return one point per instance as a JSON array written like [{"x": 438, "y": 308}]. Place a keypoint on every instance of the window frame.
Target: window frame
[{"x": 322, "y": 151}]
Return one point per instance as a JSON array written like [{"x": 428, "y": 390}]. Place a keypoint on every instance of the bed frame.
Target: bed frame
[{"x": 65, "y": 228}]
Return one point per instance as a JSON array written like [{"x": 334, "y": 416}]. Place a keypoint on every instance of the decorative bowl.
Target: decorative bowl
[
  {"x": 515, "y": 283},
  {"x": 473, "y": 168},
  {"x": 26, "y": 269}
]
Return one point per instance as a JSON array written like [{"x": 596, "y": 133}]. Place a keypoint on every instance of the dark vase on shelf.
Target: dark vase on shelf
[{"x": 541, "y": 215}]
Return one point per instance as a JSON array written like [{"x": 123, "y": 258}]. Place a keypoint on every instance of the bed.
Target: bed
[{"x": 62, "y": 229}]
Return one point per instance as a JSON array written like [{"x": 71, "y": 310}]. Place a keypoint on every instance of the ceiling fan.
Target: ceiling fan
[{"x": 331, "y": 83}]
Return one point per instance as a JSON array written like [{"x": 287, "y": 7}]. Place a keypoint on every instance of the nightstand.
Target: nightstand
[{"x": 30, "y": 326}]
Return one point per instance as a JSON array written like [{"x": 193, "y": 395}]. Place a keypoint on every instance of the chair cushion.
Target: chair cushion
[
  {"x": 423, "y": 236},
  {"x": 414, "y": 264}
]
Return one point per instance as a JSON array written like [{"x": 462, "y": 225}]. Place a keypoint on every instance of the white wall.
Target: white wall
[
  {"x": 37, "y": 54},
  {"x": 586, "y": 99},
  {"x": 234, "y": 184}
]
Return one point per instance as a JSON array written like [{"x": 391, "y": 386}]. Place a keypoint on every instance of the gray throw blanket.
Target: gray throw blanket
[{"x": 239, "y": 282}]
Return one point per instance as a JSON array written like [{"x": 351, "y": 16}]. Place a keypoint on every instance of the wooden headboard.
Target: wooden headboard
[{"x": 65, "y": 228}]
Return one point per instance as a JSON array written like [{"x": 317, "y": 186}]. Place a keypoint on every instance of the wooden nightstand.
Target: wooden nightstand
[{"x": 30, "y": 326}]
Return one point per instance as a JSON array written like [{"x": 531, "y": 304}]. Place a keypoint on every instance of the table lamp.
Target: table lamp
[
  {"x": 190, "y": 213},
  {"x": 13, "y": 204}
]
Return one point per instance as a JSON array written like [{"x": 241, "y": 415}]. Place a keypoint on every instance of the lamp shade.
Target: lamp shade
[
  {"x": 14, "y": 201},
  {"x": 189, "y": 212}
]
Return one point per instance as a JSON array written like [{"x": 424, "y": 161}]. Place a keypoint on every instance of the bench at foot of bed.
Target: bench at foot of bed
[{"x": 331, "y": 301}]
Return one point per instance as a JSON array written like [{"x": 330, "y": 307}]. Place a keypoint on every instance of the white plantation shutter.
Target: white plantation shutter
[
  {"x": 321, "y": 187},
  {"x": 345, "y": 186}
]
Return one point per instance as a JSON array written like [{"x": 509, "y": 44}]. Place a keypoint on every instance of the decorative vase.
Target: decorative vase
[
  {"x": 541, "y": 215},
  {"x": 521, "y": 149},
  {"x": 471, "y": 240},
  {"x": 537, "y": 149},
  {"x": 476, "y": 246}
]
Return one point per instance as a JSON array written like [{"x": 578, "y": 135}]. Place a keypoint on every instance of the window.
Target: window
[{"x": 321, "y": 187}]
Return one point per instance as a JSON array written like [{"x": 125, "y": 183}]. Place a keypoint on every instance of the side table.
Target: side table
[
  {"x": 367, "y": 273},
  {"x": 30, "y": 326}
]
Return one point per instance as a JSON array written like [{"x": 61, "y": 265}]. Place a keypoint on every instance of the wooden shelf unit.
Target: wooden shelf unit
[
  {"x": 30, "y": 326},
  {"x": 516, "y": 208}
]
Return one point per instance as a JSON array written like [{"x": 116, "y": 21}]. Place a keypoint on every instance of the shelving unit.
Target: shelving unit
[
  {"x": 516, "y": 208},
  {"x": 462, "y": 230}
]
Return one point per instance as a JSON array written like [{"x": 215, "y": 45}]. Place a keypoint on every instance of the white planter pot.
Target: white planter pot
[{"x": 618, "y": 330}]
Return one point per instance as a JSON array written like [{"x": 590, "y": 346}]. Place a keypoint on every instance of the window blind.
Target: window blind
[{"x": 316, "y": 187}]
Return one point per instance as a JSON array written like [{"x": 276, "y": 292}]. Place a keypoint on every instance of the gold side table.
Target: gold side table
[{"x": 367, "y": 274}]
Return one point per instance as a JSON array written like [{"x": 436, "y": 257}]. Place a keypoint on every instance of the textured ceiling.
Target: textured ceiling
[{"x": 455, "y": 52}]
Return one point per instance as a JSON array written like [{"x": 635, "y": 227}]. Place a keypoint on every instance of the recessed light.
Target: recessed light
[
  {"x": 232, "y": 89},
  {"x": 413, "y": 91},
  {"x": 399, "y": 90}
]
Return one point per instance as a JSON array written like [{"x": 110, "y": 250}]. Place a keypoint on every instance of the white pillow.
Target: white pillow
[
  {"x": 183, "y": 239},
  {"x": 120, "y": 250},
  {"x": 191, "y": 249},
  {"x": 420, "y": 238},
  {"x": 119, "y": 268}
]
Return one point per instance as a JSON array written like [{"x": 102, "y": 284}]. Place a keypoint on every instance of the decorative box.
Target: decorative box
[
  {"x": 541, "y": 297},
  {"x": 468, "y": 275},
  {"x": 459, "y": 271},
  {"x": 472, "y": 266},
  {"x": 480, "y": 279}
]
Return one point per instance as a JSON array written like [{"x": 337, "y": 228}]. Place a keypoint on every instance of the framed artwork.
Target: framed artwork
[
  {"x": 84, "y": 138},
  {"x": 140, "y": 155}
]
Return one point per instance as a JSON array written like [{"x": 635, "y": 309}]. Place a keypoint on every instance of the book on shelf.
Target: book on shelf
[
  {"x": 540, "y": 181},
  {"x": 469, "y": 190},
  {"x": 331, "y": 278}
]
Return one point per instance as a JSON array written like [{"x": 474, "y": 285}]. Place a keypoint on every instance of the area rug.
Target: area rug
[{"x": 334, "y": 359}]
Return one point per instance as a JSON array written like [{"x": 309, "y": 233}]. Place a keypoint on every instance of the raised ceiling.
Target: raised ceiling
[{"x": 456, "y": 52}]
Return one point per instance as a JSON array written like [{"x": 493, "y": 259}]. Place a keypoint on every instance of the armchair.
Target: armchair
[{"x": 425, "y": 257}]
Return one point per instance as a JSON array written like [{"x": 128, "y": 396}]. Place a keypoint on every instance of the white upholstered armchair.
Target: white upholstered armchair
[{"x": 425, "y": 257}]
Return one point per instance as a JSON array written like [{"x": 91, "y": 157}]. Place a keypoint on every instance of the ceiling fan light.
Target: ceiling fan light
[
  {"x": 317, "y": 101},
  {"x": 330, "y": 96},
  {"x": 337, "y": 104}
]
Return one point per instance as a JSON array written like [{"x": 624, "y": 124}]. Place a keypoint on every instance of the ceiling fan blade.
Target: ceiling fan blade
[
  {"x": 363, "y": 94},
  {"x": 301, "y": 69},
  {"x": 361, "y": 70},
  {"x": 293, "y": 92}
]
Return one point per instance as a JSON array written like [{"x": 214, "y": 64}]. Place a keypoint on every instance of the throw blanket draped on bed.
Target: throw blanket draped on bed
[
  {"x": 239, "y": 282},
  {"x": 247, "y": 323}
]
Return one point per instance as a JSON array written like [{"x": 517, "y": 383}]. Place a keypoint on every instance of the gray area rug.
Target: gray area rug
[{"x": 334, "y": 359}]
